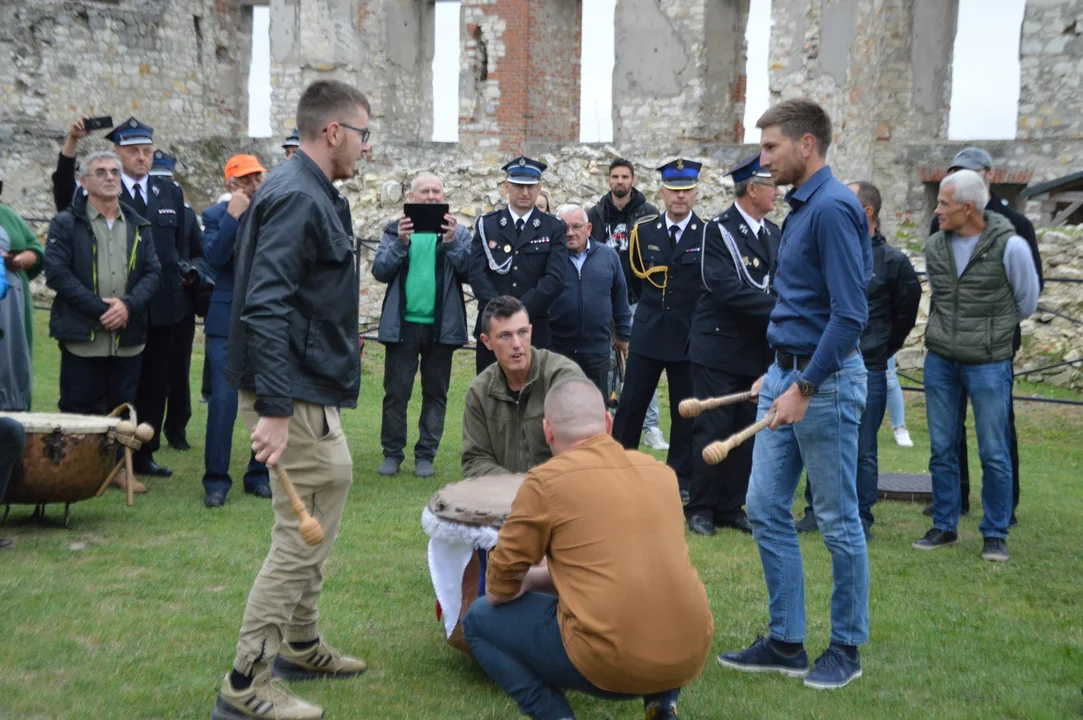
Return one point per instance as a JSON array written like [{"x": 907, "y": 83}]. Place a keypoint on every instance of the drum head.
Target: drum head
[
  {"x": 477, "y": 501},
  {"x": 66, "y": 423}
]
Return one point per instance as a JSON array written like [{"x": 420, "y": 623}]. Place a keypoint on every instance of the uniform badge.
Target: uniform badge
[
  {"x": 659, "y": 226},
  {"x": 744, "y": 259},
  {"x": 133, "y": 123},
  {"x": 653, "y": 247},
  {"x": 537, "y": 223},
  {"x": 503, "y": 223},
  {"x": 693, "y": 226},
  {"x": 507, "y": 248},
  {"x": 680, "y": 163},
  {"x": 522, "y": 162},
  {"x": 744, "y": 230},
  {"x": 755, "y": 262},
  {"x": 154, "y": 189},
  {"x": 492, "y": 244}
]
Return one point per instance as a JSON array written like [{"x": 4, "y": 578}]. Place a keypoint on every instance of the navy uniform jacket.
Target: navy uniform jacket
[
  {"x": 662, "y": 324},
  {"x": 534, "y": 262},
  {"x": 219, "y": 237},
  {"x": 165, "y": 213},
  {"x": 729, "y": 329}
]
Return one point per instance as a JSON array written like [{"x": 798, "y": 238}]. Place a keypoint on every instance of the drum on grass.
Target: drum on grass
[
  {"x": 462, "y": 519},
  {"x": 66, "y": 459}
]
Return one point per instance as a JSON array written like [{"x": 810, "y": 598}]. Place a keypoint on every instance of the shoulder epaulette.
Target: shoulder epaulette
[{"x": 646, "y": 218}]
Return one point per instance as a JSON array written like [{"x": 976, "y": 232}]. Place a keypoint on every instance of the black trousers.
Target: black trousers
[
  {"x": 179, "y": 397},
  {"x": 205, "y": 389},
  {"x": 539, "y": 338},
  {"x": 595, "y": 367},
  {"x": 150, "y": 399},
  {"x": 400, "y": 369},
  {"x": 95, "y": 386},
  {"x": 640, "y": 380},
  {"x": 718, "y": 492}
]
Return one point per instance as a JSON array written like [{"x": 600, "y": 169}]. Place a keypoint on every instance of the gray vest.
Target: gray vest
[{"x": 972, "y": 316}]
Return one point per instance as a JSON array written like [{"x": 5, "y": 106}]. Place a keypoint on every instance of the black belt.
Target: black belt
[{"x": 786, "y": 361}]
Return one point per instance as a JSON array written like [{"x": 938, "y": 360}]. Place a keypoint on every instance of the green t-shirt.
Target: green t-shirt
[{"x": 421, "y": 279}]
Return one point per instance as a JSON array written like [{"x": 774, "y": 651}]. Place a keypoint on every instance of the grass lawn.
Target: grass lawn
[{"x": 134, "y": 612}]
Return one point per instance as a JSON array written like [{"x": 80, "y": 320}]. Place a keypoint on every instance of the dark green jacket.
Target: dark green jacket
[{"x": 972, "y": 316}]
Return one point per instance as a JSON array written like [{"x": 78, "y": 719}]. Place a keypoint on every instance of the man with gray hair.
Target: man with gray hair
[
  {"x": 591, "y": 315},
  {"x": 101, "y": 263},
  {"x": 424, "y": 316},
  {"x": 590, "y": 586},
  {"x": 983, "y": 284}
]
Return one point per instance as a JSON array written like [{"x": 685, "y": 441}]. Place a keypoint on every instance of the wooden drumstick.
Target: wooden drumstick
[
  {"x": 310, "y": 528},
  {"x": 717, "y": 451},
  {"x": 691, "y": 407}
]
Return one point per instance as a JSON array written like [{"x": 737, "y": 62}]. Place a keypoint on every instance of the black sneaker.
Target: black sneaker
[
  {"x": 214, "y": 500},
  {"x": 833, "y": 670},
  {"x": 995, "y": 549},
  {"x": 807, "y": 523},
  {"x": 935, "y": 539},
  {"x": 762, "y": 656},
  {"x": 657, "y": 711},
  {"x": 261, "y": 491}
]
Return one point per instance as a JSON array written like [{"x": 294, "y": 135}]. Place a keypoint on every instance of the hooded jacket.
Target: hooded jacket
[{"x": 613, "y": 228}]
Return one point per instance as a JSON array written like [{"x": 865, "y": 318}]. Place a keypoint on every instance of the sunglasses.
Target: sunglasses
[{"x": 364, "y": 132}]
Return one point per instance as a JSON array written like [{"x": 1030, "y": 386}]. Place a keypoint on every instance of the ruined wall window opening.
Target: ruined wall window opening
[
  {"x": 597, "y": 57},
  {"x": 985, "y": 73},
  {"x": 259, "y": 75},
  {"x": 445, "y": 72},
  {"x": 757, "y": 86},
  {"x": 197, "y": 26}
]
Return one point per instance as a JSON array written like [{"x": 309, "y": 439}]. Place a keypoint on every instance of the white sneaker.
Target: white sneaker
[
  {"x": 902, "y": 437},
  {"x": 654, "y": 440}
]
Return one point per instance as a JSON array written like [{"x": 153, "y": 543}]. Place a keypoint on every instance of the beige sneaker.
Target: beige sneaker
[
  {"x": 319, "y": 661},
  {"x": 263, "y": 699}
]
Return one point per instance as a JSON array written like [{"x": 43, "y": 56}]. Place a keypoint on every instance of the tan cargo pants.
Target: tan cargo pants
[{"x": 282, "y": 603}]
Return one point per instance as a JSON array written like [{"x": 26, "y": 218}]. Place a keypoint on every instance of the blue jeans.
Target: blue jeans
[
  {"x": 651, "y": 420},
  {"x": 896, "y": 409},
  {"x": 989, "y": 386},
  {"x": 824, "y": 441},
  {"x": 221, "y": 416},
  {"x": 519, "y": 646},
  {"x": 868, "y": 466}
]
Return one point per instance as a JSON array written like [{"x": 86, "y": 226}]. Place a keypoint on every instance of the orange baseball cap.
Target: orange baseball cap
[{"x": 241, "y": 165}]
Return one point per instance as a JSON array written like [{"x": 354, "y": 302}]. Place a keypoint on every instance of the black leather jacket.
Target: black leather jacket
[{"x": 293, "y": 324}]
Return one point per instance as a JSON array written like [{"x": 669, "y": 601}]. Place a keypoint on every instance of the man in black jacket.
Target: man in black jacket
[
  {"x": 894, "y": 295},
  {"x": 101, "y": 263},
  {"x": 293, "y": 356},
  {"x": 981, "y": 162},
  {"x": 728, "y": 342},
  {"x": 611, "y": 221},
  {"x": 664, "y": 253}
]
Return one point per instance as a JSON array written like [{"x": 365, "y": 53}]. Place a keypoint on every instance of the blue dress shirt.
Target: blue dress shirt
[{"x": 823, "y": 272}]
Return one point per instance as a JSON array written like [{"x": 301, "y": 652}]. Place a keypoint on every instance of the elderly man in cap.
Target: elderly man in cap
[
  {"x": 983, "y": 282},
  {"x": 981, "y": 162},
  {"x": 728, "y": 342},
  {"x": 179, "y": 401},
  {"x": 518, "y": 251},
  {"x": 221, "y": 222},
  {"x": 161, "y": 202},
  {"x": 664, "y": 255},
  {"x": 293, "y": 141}
]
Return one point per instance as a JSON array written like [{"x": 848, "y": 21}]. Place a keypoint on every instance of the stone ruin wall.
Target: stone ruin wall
[{"x": 880, "y": 67}]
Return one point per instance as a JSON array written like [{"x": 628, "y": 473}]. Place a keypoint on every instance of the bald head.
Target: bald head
[{"x": 574, "y": 411}]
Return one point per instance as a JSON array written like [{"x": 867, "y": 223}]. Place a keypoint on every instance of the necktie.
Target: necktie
[
  {"x": 762, "y": 236},
  {"x": 519, "y": 227},
  {"x": 140, "y": 203},
  {"x": 673, "y": 230}
]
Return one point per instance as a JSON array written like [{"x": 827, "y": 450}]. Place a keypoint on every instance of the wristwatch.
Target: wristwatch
[{"x": 807, "y": 389}]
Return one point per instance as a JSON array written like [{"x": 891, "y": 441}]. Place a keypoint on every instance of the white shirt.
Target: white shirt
[
  {"x": 130, "y": 183},
  {"x": 680, "y": 226},
  {"x": 755, "y": 225},
  {"x": 516, "y": 218}
]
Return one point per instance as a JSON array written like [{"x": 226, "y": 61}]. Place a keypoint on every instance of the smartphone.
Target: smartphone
[{"x": 98, "y": 123}]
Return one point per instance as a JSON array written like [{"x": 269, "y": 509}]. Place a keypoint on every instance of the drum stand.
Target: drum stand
[{"x": 38, "y": 516}]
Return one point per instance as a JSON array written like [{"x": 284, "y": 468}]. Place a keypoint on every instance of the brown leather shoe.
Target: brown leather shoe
[{"x": 121, "y": 481}]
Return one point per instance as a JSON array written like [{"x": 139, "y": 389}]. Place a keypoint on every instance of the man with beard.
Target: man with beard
[{"x": 611, "y": 220}]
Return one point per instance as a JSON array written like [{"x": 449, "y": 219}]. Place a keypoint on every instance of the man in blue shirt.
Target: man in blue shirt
[{"x": 816, "y": 389}]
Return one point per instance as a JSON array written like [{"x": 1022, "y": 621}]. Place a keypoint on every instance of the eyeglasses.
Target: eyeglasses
[{"x": 363, "y": 131}]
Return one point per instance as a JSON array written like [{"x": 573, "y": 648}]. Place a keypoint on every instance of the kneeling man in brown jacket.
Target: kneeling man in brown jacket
[{"x": 619, "y": 611}]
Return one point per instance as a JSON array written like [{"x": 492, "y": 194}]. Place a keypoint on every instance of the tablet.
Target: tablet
[{"x": 427, "y": 217}]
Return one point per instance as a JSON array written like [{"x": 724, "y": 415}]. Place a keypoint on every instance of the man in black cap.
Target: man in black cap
[
  {"x": 161, "y": 202},
  {"x": 664, "y": 251},
  {"x": 519, "y": 251},
  {"x": 293, "y": 141},
  {"x": 179, "y": 400},
  {"x": 981, "y": 162},
  {"x": 728, "y": 342}
]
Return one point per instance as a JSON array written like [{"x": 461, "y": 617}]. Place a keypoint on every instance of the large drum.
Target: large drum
[
  {"x": 67, "y": 458},
  {"x": 463, "y": 519}
]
